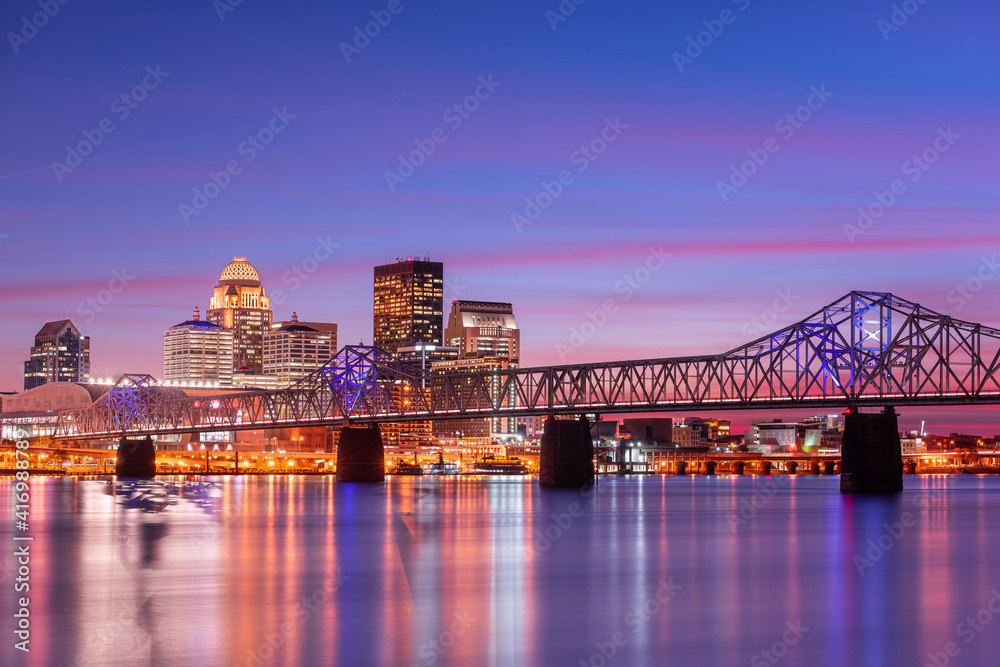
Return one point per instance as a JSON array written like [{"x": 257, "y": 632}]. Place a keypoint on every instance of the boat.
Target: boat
[
  {"x": 406, "y": 468},
  {"x": 499, "y": 465},
  {"x": 441, "y": 468}
]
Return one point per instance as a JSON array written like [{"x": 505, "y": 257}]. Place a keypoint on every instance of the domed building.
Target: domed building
[{"x": 239, "y": 303}]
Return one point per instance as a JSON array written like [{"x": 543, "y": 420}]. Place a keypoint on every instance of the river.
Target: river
[{"x": 420, "y": 571}]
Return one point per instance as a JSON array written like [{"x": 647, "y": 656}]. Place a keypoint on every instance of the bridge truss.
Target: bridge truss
[{"x": 867, "y": 348}]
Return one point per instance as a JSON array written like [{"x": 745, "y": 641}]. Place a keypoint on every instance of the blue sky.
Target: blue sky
[{"x": 323, "y": 175}]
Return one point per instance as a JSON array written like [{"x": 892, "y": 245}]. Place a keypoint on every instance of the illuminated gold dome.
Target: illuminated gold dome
[{"x": 240, "y": 269}]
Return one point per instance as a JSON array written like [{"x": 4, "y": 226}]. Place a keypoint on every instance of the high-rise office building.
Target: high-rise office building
[
  {"x": 239, "y": 303},
  {"x": 483, "y": 329},
  {"x": 409, "y": 299},
  {"x": 60, "y": 354},
  {"x": 198, "y": 351},
  {"x": 295, "y": 349}
]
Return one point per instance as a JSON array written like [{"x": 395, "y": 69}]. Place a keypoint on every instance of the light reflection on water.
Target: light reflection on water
[{"x": 445, "y": 571}]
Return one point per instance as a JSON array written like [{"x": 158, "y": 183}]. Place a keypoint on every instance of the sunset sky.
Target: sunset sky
[{"x": 871, "y": 95}]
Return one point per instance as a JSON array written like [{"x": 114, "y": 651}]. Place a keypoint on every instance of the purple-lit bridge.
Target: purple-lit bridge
[{"x": 866, "y": 349}]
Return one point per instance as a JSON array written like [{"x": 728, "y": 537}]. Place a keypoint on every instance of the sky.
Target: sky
[{"x": 704, "y": 166}]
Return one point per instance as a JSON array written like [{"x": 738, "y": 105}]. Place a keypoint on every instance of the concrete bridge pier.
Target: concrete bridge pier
[
  {"x": 910, "y": 467},
  {"x": 709, "y": 467},
  {"x": 738, "y": 467},
  {"x": 136, "y": 458},
  {"x": 360, "y": 454},
  {"x": 871, "y": 458},
  {"x": 792, "y": 467},
  {"x": 765, "y": 467},
  {"x": 567, "y": 457}
]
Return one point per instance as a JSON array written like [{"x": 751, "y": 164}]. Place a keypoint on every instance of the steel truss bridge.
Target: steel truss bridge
[{"x": 865, "y": 349}]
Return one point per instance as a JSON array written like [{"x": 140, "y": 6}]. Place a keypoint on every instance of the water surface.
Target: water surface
[{"x": 444, "y": 571}]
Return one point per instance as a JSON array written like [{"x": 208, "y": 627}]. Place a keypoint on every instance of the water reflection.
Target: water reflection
[{"x": 431, "y": 571}]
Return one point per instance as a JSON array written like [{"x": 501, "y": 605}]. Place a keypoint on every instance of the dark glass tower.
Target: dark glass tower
[
  {"x": 409, "y": 304},
  {"x": 60, "y": 354}
]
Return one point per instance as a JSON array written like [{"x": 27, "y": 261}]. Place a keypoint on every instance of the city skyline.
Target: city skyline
[
  {"x": 537, "y": 332},
  {"x": 973, "y": 420}
]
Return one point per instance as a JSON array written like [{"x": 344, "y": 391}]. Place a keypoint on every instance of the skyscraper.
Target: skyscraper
[
  {"x": 483, "y": 329},
  {"x": 60, "y": 354},
  {"x": 409, "y": 306},
  {"x": 198, "y": 351},
  {"x": 487, "y": 338},
  {"x": 239, "y": 303}
]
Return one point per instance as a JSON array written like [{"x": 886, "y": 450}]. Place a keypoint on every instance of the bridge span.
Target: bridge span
[{"x": 866, "y": 349}]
